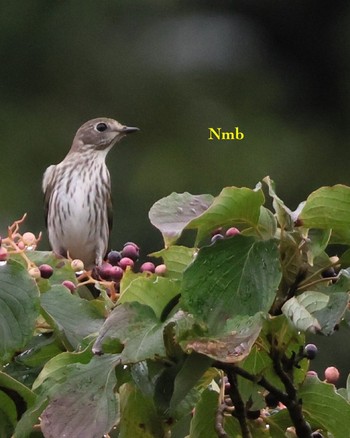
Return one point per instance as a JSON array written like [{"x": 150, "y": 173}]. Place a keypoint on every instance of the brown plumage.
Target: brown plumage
[{"x": 77, "y": 192}]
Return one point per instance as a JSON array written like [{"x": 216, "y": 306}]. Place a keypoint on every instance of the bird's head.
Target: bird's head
[{"x": 99, "y": 135}]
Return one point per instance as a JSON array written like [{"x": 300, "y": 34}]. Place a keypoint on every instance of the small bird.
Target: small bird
[{"x": 77, "y": 191}]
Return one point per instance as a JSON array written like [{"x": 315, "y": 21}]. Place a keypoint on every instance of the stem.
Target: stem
[{"x": 219, "y": 420}]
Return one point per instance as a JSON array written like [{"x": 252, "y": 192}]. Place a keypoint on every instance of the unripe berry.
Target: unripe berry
[
  {"x": 160, "y": 269},
  {"x": 114, "y": 257},
  {"x": 77, "y": 265},
  {"x": 34, "y": 272},
  {"x": 131, "y": 251},
  {"x": 46, "y": 271},
  {"x": 216, "y": 237},
  {"x": 3, "y": 254},
  {"x": 69, "y": 285},
  {"x": 125, "y": 262},
  {"x": 233, "y": 231},
  {"x": 28, "y": 238},
  {"x": 21, "y": 245},
  {"x": 147, "y": 267},
  {"x": 331, "y": 375},
  {"x": 310, "y": 351}
]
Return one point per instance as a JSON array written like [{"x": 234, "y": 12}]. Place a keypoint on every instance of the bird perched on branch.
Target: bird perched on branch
[{"x": 77, "y": 192}]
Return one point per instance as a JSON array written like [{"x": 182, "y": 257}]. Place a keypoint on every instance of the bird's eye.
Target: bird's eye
[{"x": 101, "y": 127}]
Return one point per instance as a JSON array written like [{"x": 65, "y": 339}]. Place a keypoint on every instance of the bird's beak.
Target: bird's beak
[{"x": 128, "y": 129}]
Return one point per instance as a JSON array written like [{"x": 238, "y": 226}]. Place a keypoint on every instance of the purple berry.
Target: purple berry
[
  {"x": 310, "y": 351},
  {"x": 45, "y": 271},
  {"x": 116, "y": 273},
  {"x": 147, "y": 267},
  {"x": 131, "y": 251},
  {"x": 104, "y": 271},
  {"x": 69, "y": 285},
  {"x": 233, "y": 231},
  {"x": 216, "y": 237},
  {"x": 114, "y": 257},
  {"x": 125, "y": 262}
]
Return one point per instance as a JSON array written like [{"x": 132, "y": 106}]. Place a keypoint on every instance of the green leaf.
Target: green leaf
[
  {"x": 327, "y": 208},
  {"x": 8, "y": 415},
  {"x": 139, "y": 417},
  {"x": 267, "y": 225},
  {"x": 137, "y": 328},
  {"x": 172, "y": 213},
  {"x": 283, "y": 213},
  {"x": 236, "y": 276},
  {"x": 40, "y": 349},
  {"x": 153, "y": 291},
  {"x": 19, "y": 308},
  {"x": 81, "y": 396},
  {"x": 233, "y": 206},
  {"x": 73, "y": 317},
  {"x": 176, "y": 259},
  {"x": 301, "y": 317},
  {"x": 324, "y": 408}
]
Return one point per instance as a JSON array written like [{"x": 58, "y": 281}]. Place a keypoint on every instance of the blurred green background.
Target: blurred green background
[{"x": 277, "y": 70}]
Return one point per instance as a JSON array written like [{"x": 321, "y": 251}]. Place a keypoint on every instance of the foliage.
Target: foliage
[{"x": 197, "y": 352}]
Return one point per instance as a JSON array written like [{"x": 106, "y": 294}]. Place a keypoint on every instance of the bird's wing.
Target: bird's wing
[
  {"x": 109, "y": 213},
  {"x": 47, "y": 188}
]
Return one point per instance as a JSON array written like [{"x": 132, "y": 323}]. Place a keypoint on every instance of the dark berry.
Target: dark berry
[
  {"x": 329, "y": 273},
  {"x": 253, "y": 415},
  {"x": 147, "y": 267},
  {"x": 131, "y": 243},
  {"x": 331, "y": 375},
  {"x": 216, "y": 237},
  {"x": 104, "y": 271},
  {"x": 125, "y": 262},
  {"x": 233, "y": 231},
  {"x": 131, "y": 251},
  {"x": 271, "y": 400},
  {"x": 45, "y": 271},
  {"x": 69, "y": 285},
  {"x": 114, "y": 257},
  {"x": 310, "y": 351}
]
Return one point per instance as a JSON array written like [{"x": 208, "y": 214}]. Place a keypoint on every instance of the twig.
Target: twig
[{"x": 219, "y": 420}]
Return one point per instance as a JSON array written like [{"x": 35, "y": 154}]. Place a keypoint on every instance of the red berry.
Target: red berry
[
  {"x": 233, "y": 231},
  {"x": 147, "y": 267},
  {"x": 160, "y": 269},
  {"x": 69, "y": 285},
  {"x": 3, "y": 254},
  {"x": 125, "y": 262},
  {"x": 116, "y": 273},
  {"x": 131, "y": 251},
  {"x": 105, "y": 271},
  {"x": 46, "y": 271},
  {"x": 331, "y": 375}
]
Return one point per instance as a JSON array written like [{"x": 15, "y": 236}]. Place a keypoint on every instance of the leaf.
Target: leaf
[
  {"x": 233, "y": 206},
  {"x": 300, "y": 316},
  {"x": 318, "y": 241},
  {"x": 77, "y": 390},
  {"x": 137, "y": 328},
  {"x": 73, "y": 317},
  {"x": 172, "y": 213},
  {"x": 284, "y": 214},
  {"x": 327, "y": 208},
  {"x": 267, "y": 225},
  {"x": 8, "y": 415},
  {"x": 139, "y": 417},
  {"x": 236, "y": 276},
  {"x": 176, "y": 259},
  {"x": 324, "y": 408},
  {"x": 19, "y": 308},
  {"x": 153, "y": 291}
]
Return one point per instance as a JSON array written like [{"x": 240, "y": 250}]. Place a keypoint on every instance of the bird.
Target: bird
[{"x": 77, "y": 193}]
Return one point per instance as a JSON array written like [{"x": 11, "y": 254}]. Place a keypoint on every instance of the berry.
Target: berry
[
  {"x": 331, "y": 375},
  {"x": 147, "y": 267},
  {"x": 28, "y": 238},
  {"x": 21, "y": 245},
  {"x": 310, "y": 351},
  {"x": 116, "y": 273},
  {"x": 311, "y": 373},
  {"x": 216, "y": 231},
  {"x": 253, "y": 415},
  {"x": 131, "y": 251},
  {"x": 34, "y": 272},
  {"x": 271, "y": 400},
  {"x": 46, "y": 271},
  {"x": 329, "y": 272},
  {"x": 77, "y": 265},
  {"x": 69, "y": 285},
  {"x": 3, "y": 254},
  {"x": 105, "y": 271},
  {"x": 125, "y": 262},
  {"x": 160, "y": 269},
  {"x": 233, "y": 231},
  {"x": 216, "y": 237},
  {"x": 114, "y": 257}
]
